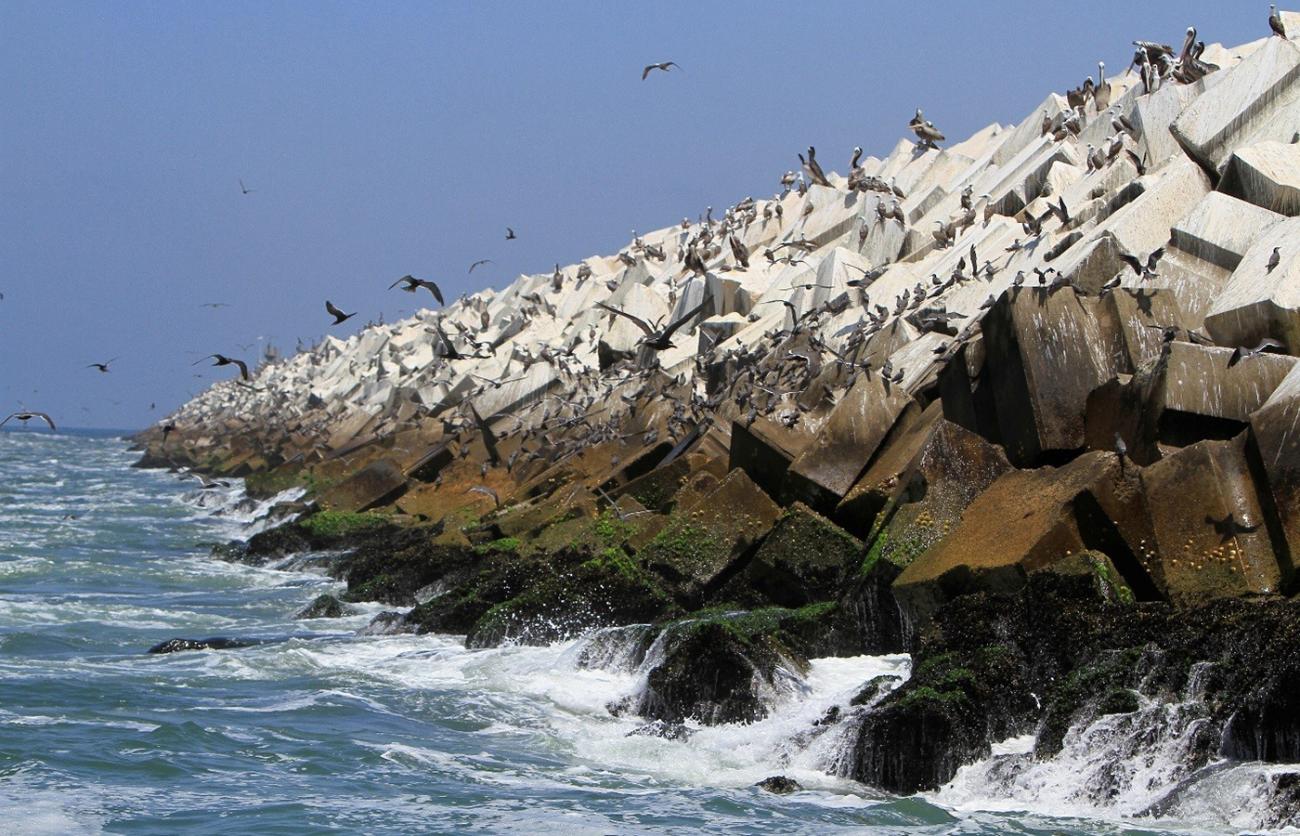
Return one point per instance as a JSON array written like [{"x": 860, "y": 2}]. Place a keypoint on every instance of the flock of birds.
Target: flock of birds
[{"x": 760, "y": 381}]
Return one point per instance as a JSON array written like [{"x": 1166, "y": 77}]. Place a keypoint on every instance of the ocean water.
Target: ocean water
[{"x": 322, "y": 731}]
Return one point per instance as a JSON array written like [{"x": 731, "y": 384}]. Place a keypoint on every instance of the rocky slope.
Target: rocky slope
[{"x": 992, "y": 403}]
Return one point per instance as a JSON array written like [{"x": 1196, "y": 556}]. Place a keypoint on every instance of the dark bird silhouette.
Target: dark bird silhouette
[
  {"x": 486, "y": 491},
  {"x": 448, "y": 347},
  {"x": 1275, "y": 22},
  {"x": 1273, "y": 260},
  {"x": 1146, "y": 270},
  {"x": 1228, "y": 527},
  {"x": 244, "y": 189},
  {"x": 1266, "y": 344},
  {"x": 510, "y": 234},
  {"x": 338, "y": 315},
  {"x": 24, "y": 417},
  {"x": 413, "y": 284},
  {"x": 1121, "y": 451},
  {"x": 223, "y": 360},
  {"x": 664, "y": 66},
  {"x": 103, "y": 367},
  {"x": 481, "y": 261},
  {"x": 656, "y": 339},
  {"x": 213, "y": 305}
]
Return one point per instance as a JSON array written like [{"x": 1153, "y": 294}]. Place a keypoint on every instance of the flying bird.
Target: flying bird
[
  {"x": 1145, "y": 270},
  {"x": 24, "y": 417},
  {"x": 510, "y": 234},
  {"x": 338, "y": 315},
  {"x": 223, "y": 360},
  {"x": 481, "y": 261},
  {"x": 656, "y": 339},
  {"x": 1266, "y": 344},
  {"x": 103, "y": 367},
  {"x": 413, "y": 284},
  {"x": 664, "y": 66},
  {"x": 214, "y": 305},
  {"x": 244, "y": 189},
  {"x": 486, "y": 491}
]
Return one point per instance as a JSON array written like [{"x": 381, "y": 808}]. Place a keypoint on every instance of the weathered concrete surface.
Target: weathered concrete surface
[
  {"x": 1275, "y": 446},
  {"x": 1267, "y": 175},
  {"x": 380, "y": 482},
  {"x": 1221, "y": 229},
  {"x": 1201, "y": 381},
  {"x": 1258, "y": 303},
  {"x": 1255, "y": 101}
]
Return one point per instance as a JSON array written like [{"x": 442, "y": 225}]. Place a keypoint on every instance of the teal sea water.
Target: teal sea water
[{"x": 324, "y": 731}]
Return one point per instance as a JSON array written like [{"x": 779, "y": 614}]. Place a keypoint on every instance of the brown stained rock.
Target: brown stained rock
[
  {"x": 1046, "y": 353},
  {"x": 887, "y": 475},
  {"x": 375, "y": 484},
  {"x": 703, "y": 542},
  {"x": 764, "y": 450},
  {"x": 841, "y": 450},
  {"x": 1210, "y": 535},
  {"x": 452, "y": 496},
  {"x": 1275, "y": 446},
  {"x": 803, "y": 558},
  {"x": 1027, "y": 520}
]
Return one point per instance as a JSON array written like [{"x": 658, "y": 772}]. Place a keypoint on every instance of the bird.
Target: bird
[
  {"x": 413, "y": 284},
  {"x": 223, "y": 360},
  {"x": 338, "y": 315},
  {"x": 656, "y": 339},
  {"x": 212, "y": 305},
  {"x": 1275, "y": 21},
  {"x": 103, "y": 367},
  {"x": 663, "y": 66},
  {"x": 26, "y": 416},
  {"x": 1228, "y": 527},
  {"x": 478, "y": 263},
  {"x": 1267, "y": 344},
  {"x": 244, "y": 189},
  {"x": 1273, "y": 260},
  {"x": 1101, "y": 95},
  {"x": 1146, "y": 270},
  {"x": 925, "y": 131},
  {"x": 510, "y": 234},
  {"x": 486, "y": 491},
  {"x": 1121, "y": 451}
]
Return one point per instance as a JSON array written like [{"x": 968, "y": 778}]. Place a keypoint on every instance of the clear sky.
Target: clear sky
[{"x": 380, "y": 139}]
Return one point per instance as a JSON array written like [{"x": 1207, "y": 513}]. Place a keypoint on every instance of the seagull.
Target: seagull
[
  {"x": 477, "y": 263},
  {"x": 413, "y": 284},
  {"x": 656, "y": 339},
  {"x": 338, "y": 315},
  {"x": 1273, "y": 260},
  {"x": 664, "y": 66},
  {"x": 103, "y": 367},
  {"x": 244, "y": 189},
  {"x": 510, "y": 234},
  {"x": 223, "y": 360},
  {"x": 1266, "y": 344},
  {"x": 27, "y": 416}
]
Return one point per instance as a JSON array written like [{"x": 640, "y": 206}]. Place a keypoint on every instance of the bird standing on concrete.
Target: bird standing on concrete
[
  {"x": 1273, "y": 260},
  {"x": 1275, "y": 21}
]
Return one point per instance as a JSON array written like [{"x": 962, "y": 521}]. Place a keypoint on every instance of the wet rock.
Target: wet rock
[
  {"x": 875, "y": 688},
  {"x": 663, "y": 730},
  {"x": 779, "y": 785},
  {"x": 390, "y": 568},
  {"x": 214, "y": 643},
  {"x": 802, "y": 559},
  {"x": 764, "y": 450},
  {"x": 1275, "y": 459},
  {"x": 324, "y": 606},
  {"x": 386, "y": 624}
]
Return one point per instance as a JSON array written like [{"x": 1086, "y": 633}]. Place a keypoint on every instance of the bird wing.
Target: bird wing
[
  {"x": 668, "y": 332},
  {"x": 399, "y": 281},
  {"x": 433, "y": 288},
  {"x": 329, "y": 306},
  {"x": 646, "y": 71},
  {"x": 1132, "y": 261},
  {"x": 1154, "y": 258},
  {"x": 243, "y": 368},
  {"x": 640, "y": 323},
  {"x": 47, "y": 419},
  {"x": 480, "y": 261},
  {"x": 486, "y": 491}
]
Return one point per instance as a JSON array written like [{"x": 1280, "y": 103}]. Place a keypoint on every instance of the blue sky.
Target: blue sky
[{"x": 390, "y": 138}]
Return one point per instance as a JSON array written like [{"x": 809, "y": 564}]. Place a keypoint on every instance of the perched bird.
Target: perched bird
[
  {"x": 338, "y": 315},
  {"x": 1273, "y": 260},
  {"x": 1275, "y": 21},
  {"x": 1121, "y": 451},
  {"x": 103, "y": 367},
  {"x": 664, "y": 66},
  {"x": 658, "y": 339},
  {"x": 413, "y": 284},
  {"x": 479, "y": 263},
  {"x": 25, "y": 416},
  {"x": 510, "y": 234},
  {"x": 925, "y": 131},
  {"x": 223, "y": 360}
]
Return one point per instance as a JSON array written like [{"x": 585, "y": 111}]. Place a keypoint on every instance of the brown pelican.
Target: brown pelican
[
  {"x": 413, "y": 284},
  {"x": 1102, "y": 94},
  {"x": 663, "y": 66},
  {"x": 925, "y": 131},
  {"x": 857, "y": 155},
  {"x": 25, "y": 416},
  {"x": 740, "y": 251},
  {"x": 338, "y": 315},
  {"x": 103, "y": 367},
  {"x": 814, "y": 168},
  {"x": 656, "y": 339},
  {"x": 1275, "y": 21},
  {"x": 223, "y": 360}
]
